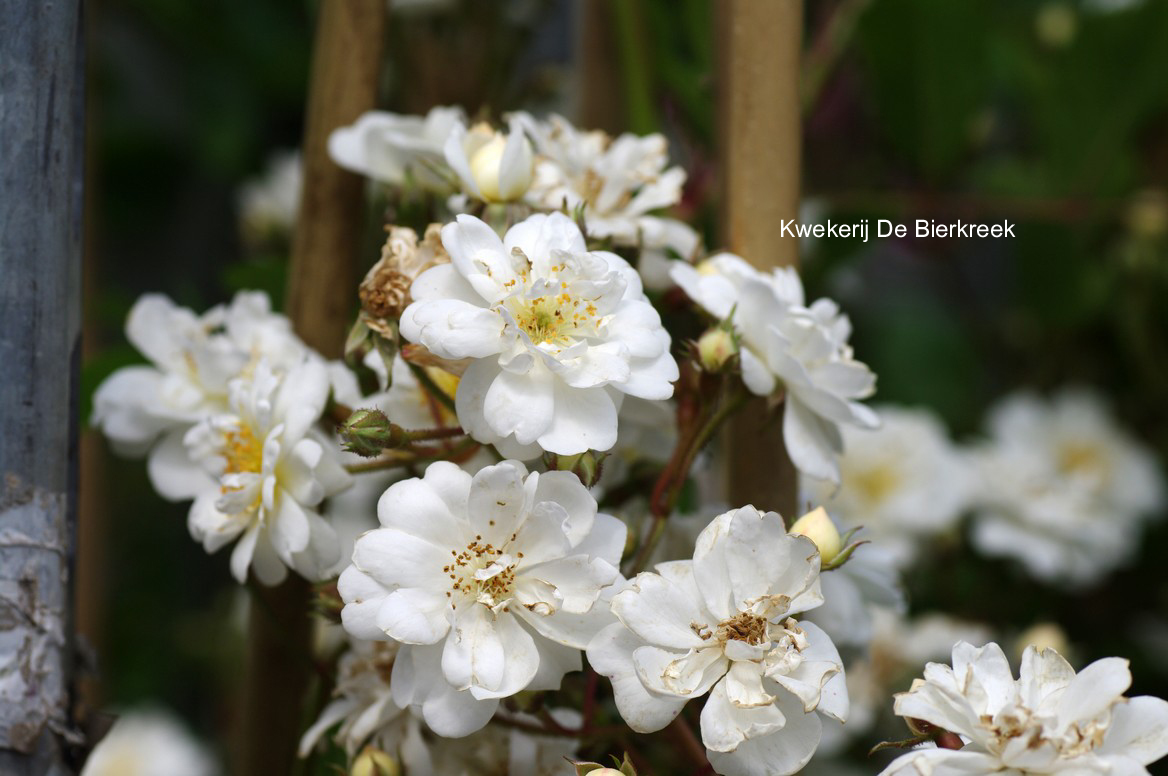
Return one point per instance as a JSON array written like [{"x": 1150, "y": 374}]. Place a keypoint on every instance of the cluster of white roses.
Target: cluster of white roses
[
  {"x": 518, "y": 327},
  {"x": 1057, "y": 485}
]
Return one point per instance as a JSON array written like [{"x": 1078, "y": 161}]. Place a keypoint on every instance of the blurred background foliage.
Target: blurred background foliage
[{"x": 1051, "y": 114}]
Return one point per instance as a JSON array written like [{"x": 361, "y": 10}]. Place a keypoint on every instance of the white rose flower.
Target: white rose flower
[
  {"x": 802, "y": 350},
  {"x": 1065, "y": 490},
  {"x": 724, "y": 623},
  {"x": 395, "y": 149},
  {"x": 363, "y": 710},
  {"x": 489, "y": 581},
  {"x": 617, "y": 181},
  {"x": 1048, "y": 721},
  {"x": 148, "y": 408},
  {"x": 904, "y": 482},
  {"x": 149, "y": 743},
  {"x": 269, "y": 204},
  {"x": 258, "y": 472},
  {"x": 557, "y": 335},
  {"x": 493, "y": 166}
]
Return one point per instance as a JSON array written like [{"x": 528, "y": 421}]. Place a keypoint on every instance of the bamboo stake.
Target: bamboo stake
[
  {"x": 321, "y": 291},
  {"x": 761, "y": 43},
  {"x": 600, "y": 104},
  {"x": 41, "y": 156}
]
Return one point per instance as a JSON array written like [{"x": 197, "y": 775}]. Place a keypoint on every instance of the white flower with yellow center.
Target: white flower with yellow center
[
  {"x": 258, "y": 472},
  {"x": 790, "y": 347},
  {"x": 1048, "y": 721},
  {"x": 396, "y": 149},
  {"x": 1065, "y": 490},
  {"x": 617, "y": 181},
  {"x": 489, "y": 582},
  {"x": 724, "y": 623},
  {"x": 492, "y": 166},
  {"x": 904, "y": 482},
  {"x": 148, "y": 408},
  {"x": 558, "y": 335}
]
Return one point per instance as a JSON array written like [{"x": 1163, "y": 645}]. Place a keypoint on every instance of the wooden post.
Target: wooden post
[
  {"x": 41, "y": 160},
  {"x": 322, "y": 289},
  {"x": 600, "y": 94},
  {"x": 760, "y": 50}
]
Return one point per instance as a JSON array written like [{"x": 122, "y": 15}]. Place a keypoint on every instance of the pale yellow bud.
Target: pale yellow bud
[
  {"x": 374, "y": 762},
  {"x": 495, "y": 183},
  {"x": 715, "y": 348},
  {"x": 1044, "y": 635},
  {"x": 1056, "y": 25},
  {"x": 605, "y": 772},
  {"x": 817, "y": 527}
]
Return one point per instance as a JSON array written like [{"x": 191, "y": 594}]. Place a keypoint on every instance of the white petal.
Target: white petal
[
  {"x": 660, "y": 612},
  {"x": 611, "y": 655},
  {"x": 414, "y": 616},
  {"x": 1139, "y": 730},
  {"x": 396, "y": 558},
  {"x": 520, "y": 658},
  {"x": 812, "y": 443},
  {"x": 725, "y": 726},
  {"x": 172, "y": 472},
  {"x": 777, "y": 753},
  {"x": 521, "y": 404},
  {"x": 585, "y": 419},
  {"x": 454, "y": 329},
  {"x": 423, "y": 507},
  {"x": 473, "y": 655},
  {"x": 363, "y": 597},
  {"x": 1093, "y": 690}
]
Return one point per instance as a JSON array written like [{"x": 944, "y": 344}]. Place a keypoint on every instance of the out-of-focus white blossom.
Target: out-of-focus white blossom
[
  {"x": 855, "y": 593},
  {"x": 269, "y": 204},
  {"x": 363, "y": 710},
  {"x": 492, "y": 166},
  {"x": 1063, "y": 488},
  {"x": 787, "y": 346},
  {"x": 395, "y": 149},
  {"x": 257, "y": 473},
  {"x": 903, "y": 482},
  {"x": 488, "y": 582},
  {"x": 724, "y": 623},
  {"x": 1048, "y": 721},
  {"x": 149, "y": 743},
  {"x": 558, "y": 335}
]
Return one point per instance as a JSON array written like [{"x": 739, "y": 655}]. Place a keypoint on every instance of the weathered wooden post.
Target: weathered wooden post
[
  {"x": 322, "y": 287},
  {"x": 41, "y": 150},
  {"x": 759, "y": 55}
]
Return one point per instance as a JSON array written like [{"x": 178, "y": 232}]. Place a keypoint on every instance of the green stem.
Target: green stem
[
  {"x": 638, "y": 93},
  {"x": 431, "y": 388}
]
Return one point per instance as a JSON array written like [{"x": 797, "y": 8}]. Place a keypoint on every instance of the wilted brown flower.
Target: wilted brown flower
[{"x": 385, "y": 291}]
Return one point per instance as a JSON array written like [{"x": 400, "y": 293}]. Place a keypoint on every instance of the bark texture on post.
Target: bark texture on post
[
  {"x": 41, "y": 152},
  {"x": 760, "y": 50},
  {"x": 322, "y": 288}
]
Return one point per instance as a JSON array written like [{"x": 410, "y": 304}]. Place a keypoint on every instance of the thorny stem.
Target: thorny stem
[
  {"x": 425, "y": 434},
  {"x": 673, "y": 476},
  {"x": 396, "y": 459}
]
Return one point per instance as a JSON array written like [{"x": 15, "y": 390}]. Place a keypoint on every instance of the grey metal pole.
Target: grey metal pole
[{"x": 41, "y": 155}]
